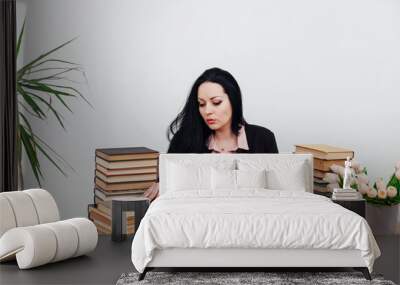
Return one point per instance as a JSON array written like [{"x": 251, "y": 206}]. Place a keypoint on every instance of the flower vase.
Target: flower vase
[{"x": 384, "y": 220}]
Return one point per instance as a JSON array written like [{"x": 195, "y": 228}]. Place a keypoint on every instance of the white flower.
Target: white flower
[
  {"x": 372, "y": 193},
  {"x": 331, "y": 178},
  {"x": 360, "y": 169},
  {"x": 398, "y": 174},
  {"x": 355, "y": 164},
  {"x": 335, "y": 168},
  {"x": 392, "y": 191},
  {"x": 363, "y": 188},
  {"x": 341, "y": 170},
  {"x": 398, "y": 165},
  {"x": 362, "y": 178},
  {"x": 357, "y": 167},
  {"x": 380, "y": 185},
  {"x": 382, "y": 193}
]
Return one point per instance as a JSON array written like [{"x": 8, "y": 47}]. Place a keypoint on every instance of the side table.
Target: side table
[
  {"x": 357, "y": 206},
  {"x": 120, "y": 205}
]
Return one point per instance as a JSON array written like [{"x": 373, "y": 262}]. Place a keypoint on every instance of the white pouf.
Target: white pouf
[{"x": 31, "y": 233}]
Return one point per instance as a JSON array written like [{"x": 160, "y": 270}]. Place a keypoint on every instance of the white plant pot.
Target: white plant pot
[{"x": 384, "y": 220}]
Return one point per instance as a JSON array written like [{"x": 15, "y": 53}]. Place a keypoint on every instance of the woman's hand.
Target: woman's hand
[{"x": 152, "y": 192}]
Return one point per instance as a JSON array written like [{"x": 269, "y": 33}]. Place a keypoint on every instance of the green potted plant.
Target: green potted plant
[
  {"x": 39, "y": 84},
  {"x": 383, "y": 198}
]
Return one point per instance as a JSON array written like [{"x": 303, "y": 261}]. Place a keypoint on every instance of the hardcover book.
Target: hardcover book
[
  {"x": 126, "y": 153},
  {"x": 140, "y": 185},
  {"x": 127, "y": 163},
  {"x": 126, "y": 171},
  {"x": 324, "y": 165},
  {"x": 126, "y": 178},
  {"x": 323, "y": 151}
]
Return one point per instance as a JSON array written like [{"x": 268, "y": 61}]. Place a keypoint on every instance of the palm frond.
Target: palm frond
[
  {"x": 37, "y": 94},
  {"x": 20, "y": 38},
  {"x": 31, "y": 64}
]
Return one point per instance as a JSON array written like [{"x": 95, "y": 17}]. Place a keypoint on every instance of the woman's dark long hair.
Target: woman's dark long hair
[{"x": 188, "y": 129}]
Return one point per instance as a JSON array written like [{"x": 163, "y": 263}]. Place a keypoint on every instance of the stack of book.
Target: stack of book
[
  {"x": 324, "y": 157},
  {"x": 346, "y": 194},
  {"x": 102, "y": 218},
  {"x": 120, "y": 173}
]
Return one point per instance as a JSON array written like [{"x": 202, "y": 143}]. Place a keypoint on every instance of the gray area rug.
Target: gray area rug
[{"x": 228, "y": 278}]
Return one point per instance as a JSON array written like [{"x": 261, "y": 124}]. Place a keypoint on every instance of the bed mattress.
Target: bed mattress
[{"x": 250, "y": 219}]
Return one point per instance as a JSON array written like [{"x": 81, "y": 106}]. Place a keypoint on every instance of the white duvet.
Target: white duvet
[{"x": 250, "y": 219}]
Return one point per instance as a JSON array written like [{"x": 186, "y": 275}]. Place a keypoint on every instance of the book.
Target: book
[
  {"x": 125, "y": 171},
  {"x": 108, "y": 196},
  {"x": 126, "y": 153},
  {"x": 102, "y": 229},
  {"x": 319, "y": 173},
  {"x": 105, "y": 221},
  {"x": 139, "y": 185},
  {"x": 320, "y": 181},
  {"x": 323, "y": 151},
  {"x": 106, "y": 203},
  {"x": 103, "y": 208},
  {"x": 320, "y": 188},
  {"x": 126, "y": 164},
  {"x": 137, "y": 192},
  {"x": 347, "y": 196},
  {"x": 341, "y": 190},
  {"x": 127, "y": 228},
  {"x": 324, "y": 165},
  {"x": 126, "y": 178},
  {"x": 107, "y": 229}
]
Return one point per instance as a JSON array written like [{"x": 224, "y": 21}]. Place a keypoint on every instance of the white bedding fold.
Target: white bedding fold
[{"x": 250, "y": 219}]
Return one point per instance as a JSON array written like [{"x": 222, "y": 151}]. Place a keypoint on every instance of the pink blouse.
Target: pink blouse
[{"x": 241, "y": 143}]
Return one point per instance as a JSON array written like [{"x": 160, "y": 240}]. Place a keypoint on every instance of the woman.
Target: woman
[{"x": 212, "y": 122}]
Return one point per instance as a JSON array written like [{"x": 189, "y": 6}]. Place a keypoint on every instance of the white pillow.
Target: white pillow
[
  {"x": 181, "y": 177},
  {"x": 251, "y": 178},
  {"x": 236, "y": 179},
  {"x": 281, "y": 174},
  {"x": 223, "y": 179},
  {"x": 188, "y": 175}
]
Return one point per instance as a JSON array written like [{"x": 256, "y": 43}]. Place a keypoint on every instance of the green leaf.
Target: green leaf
[
  {"x": 53, "y": 60},
  {"x": 54, "y": 152},
  {"x": 46, "y": 69},
  {"x": 33, "y": 144},
  {"x": 20, "y": 38},
  {"x": 32, "y": 104},
  {"x": 56, "y": 114},
  {"x": 394, "y": 182},
  {"x": 340, "y": 181},
  {"x": 55, "y": 74},
  {"x": 45, "y": 88},
  {"x": 32, "y": 92},
  {"x": 31, "y": 154},
  {"x": 28, "y": 110},
  {"x": 50, "y": 159},
  {"x": 31, "y": 64},
  {"x": 73, "y": 89},
  {"x": 31, "y": 139}
]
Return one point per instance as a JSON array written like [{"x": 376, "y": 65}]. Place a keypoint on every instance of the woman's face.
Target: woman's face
[{"x": 214, "y": 105}]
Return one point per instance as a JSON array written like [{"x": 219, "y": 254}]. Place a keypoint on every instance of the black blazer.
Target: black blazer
[{"x": 259, "y": 139}]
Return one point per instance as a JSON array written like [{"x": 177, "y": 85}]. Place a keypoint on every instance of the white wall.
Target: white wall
[{"x": 312, "y": 71}]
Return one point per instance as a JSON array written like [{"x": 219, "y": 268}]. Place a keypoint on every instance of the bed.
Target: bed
[{"x": 247, "y": 210}]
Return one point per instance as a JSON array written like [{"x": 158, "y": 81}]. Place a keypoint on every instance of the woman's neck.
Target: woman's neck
[{"x": 224, "y": 133}]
